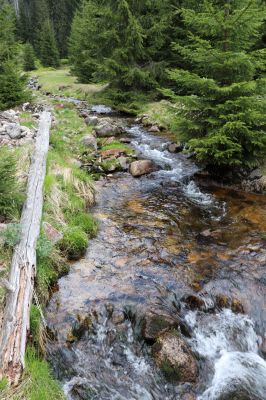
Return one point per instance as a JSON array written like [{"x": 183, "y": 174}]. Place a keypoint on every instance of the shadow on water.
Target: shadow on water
[{"x": 164, "y": 247}]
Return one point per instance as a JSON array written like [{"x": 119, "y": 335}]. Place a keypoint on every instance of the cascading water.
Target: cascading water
[{"x": 162, "y": 235}]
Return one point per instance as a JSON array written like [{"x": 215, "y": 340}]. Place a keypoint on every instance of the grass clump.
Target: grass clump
[
  {"x": 86, "y": 222},
  {"x": 74, "y": 242},
  {"x": 11, "y": 199}
]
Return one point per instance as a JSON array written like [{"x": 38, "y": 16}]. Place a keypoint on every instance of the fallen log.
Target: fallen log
[{"x": 15, "y": 323}]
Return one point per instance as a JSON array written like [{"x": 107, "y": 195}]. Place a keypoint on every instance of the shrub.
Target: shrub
[
  {"x": 10, "y": 192},
  {"x": 74, "y": 242},
  {"x": 86, "y": 222},
  {"x": 11, "y": 235}
]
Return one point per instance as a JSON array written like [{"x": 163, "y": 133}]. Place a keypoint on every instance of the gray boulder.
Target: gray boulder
[
  {"x": 107, "y": 128},
  {"x": 91, "y": 121},
  {"x": 14, "y": 131},
  {"x": 90, "y": 142}
]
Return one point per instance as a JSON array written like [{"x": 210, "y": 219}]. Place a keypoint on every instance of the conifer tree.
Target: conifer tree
[
  {"x": 29, "y": 58},
  {"x": 220, "y": 97},
  {"x": 12, "y": 84},
  {"x": 49, "y": 54}
]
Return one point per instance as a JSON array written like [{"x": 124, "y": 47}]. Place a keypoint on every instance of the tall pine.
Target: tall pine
[
  {"x": 48, "y": 51},
  {"x": 12, "y": 83},
  {"x": 219, "y": 93}
]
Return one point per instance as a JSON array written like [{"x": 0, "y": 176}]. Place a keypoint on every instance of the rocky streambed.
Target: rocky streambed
[{"x": 169, "y": 302}]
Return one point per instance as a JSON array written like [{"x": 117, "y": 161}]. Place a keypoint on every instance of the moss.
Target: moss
[
  {"x": 110, "y": 165},
  {"x": 74, "y": 242},
  {"x": 170, "y": 371}
]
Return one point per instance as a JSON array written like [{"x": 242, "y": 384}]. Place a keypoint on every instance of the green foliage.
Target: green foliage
[
  {"x": 44, "y": 247},
  {"x": 11, "y": 198},
  {"x": 29, "y": 58},
  {"x": 134, "y": 38},
  {"x": 35, "y": 322},
  {"x": 12, "y": 84},
  {"x": 221, "y": 108},
  {"x": 11, "y": 235},
  {"x": 33, "y": 14},
  {"x": 41, "y": 385},
  {"x": 49, "y": 54},
  {"x": 74, "y": 242},
  {"x": 86, "y": 222},
  {"x": 3, "y": 384}
]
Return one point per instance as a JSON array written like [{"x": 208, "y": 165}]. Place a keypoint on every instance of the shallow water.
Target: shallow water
[{"x": 161, "y": 238}]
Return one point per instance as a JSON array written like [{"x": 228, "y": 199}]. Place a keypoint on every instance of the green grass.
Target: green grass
[
  {"x": 162, "y": 113},
  {"x": 118, "y": 145},
  {"x": 38, "y": 382},
  {"x": 51, "y": 80}
]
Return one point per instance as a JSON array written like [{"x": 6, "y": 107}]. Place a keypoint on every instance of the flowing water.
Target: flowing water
[{"x": 164, "y": 246}]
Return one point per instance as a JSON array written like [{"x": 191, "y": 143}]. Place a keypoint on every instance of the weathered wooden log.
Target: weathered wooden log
[{"x": 15, "y": 323}]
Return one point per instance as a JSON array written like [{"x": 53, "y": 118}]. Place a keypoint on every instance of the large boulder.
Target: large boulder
[
  {"x": 106, "y": 128},
  {"x": 175, "y": 359},
  {"x": 141, "y": 167},
  {"x": 91, "y": 120},
  {"x": 14, "y": 131},
  {"x": 90, "y": 142}
]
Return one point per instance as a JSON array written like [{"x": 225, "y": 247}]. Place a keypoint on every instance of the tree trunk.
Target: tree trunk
[{"x": 15, "y": 324}]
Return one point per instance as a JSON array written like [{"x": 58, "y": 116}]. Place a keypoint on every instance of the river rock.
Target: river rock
[
  {"x": 118, "y": 317},
  {"x": 112, "y": 153},
  {"x": 141, "y": 167},
  {"x": 91, "y": 120},
  {"x": 155, "y": 325},
  {"x": 107, "y": 128},
  {"x": 174, "y": 357},
  {"x": 90, "y": 142},
  {"x": 255, "y": 174},
  {"x": 154, "y": 129},
  {"x": 175, "y": 148}
]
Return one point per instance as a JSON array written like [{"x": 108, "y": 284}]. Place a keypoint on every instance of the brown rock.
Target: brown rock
[
  {"x": 142, "y": 167},
  {"x": 112, "y": 153},
  {"x": 52, "y": 234},
  {"x": 174, "y": 357},
  {"x": 175, "y": 148},
  {"x": 154, "y": 129}
]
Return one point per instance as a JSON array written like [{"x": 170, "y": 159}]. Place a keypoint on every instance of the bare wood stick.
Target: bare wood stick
[{"x": 15, "y": 323}]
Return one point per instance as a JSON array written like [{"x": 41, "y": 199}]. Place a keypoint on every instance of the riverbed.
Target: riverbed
[{"x": 165, "y": 246}]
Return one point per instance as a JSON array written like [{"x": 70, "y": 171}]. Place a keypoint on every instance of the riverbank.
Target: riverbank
[{"x": 155, "y": 115}]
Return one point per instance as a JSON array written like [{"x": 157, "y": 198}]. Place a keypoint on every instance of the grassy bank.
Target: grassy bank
[
  {"x": 61, "y": 82},
  {"x": 68, "y": 195}
]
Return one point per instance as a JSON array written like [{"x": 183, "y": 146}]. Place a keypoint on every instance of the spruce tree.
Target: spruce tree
[
  {"x": 12, "y": 83},
  {"x": 29, "y": 58},
  {"x": 219, "y": 95},
  {"x": 49, "y": 54}
]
